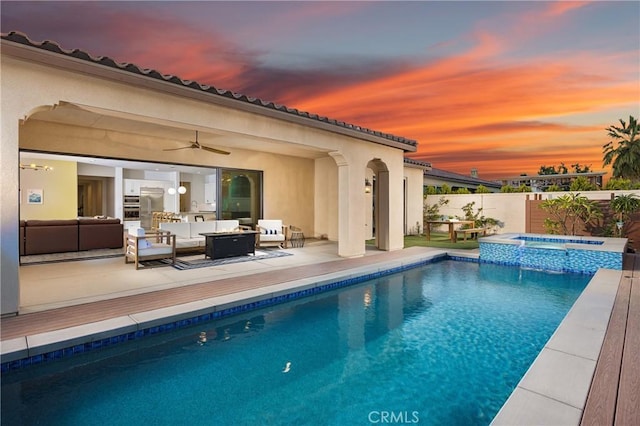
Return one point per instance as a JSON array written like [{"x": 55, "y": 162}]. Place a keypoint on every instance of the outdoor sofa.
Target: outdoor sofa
[{"x": 188, "y": 236}]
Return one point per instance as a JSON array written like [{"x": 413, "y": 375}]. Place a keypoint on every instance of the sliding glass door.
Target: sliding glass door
[{"x": 240, "y": 195}]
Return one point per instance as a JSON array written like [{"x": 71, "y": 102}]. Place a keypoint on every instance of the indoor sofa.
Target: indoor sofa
[
  {"x": 65, "y": 235},
  {"x": 188, "y": 236}
]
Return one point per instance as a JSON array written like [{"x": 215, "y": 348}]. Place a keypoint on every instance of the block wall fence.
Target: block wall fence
[{"x": 521, "y": 212}]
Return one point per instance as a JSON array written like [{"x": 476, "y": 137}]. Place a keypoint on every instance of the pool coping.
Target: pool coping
[
  {"x": 616, "y": 245},
  {"x": 555, "y": 387}
]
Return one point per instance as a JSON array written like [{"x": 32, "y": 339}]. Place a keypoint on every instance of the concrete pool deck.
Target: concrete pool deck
[{"x": 554, "y": 390}]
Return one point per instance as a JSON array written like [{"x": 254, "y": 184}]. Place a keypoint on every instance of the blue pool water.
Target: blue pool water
[{"x": 441, "y": 344}]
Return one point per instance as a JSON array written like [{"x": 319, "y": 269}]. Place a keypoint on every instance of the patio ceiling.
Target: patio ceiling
[{"x": 167, "y": 132}]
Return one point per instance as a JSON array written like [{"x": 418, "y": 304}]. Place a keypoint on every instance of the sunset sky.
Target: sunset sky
[{"x": 504, "y": 87}]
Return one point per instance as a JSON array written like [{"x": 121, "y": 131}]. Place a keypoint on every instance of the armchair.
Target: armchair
[
  {"x": 140, "y": 246},
  {"x": 271, "y": 232}
]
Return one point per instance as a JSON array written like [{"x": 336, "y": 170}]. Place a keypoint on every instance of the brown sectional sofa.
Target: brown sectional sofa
[
  {"x": 100, "y": 233},
  {"x": 57, "y": 236}
]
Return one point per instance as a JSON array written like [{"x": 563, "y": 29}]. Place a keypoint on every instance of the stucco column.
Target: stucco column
[
  {"x": 395, "y": 206},
  {"x": 351, "y": 233},
  {"x": 9, "y": 220}
]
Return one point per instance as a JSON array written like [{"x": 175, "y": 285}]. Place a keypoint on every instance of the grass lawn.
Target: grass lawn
[{"x": 438, "y": 239}]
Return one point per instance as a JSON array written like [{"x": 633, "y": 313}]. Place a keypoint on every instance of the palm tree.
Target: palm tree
[{"x": 625, "y": 157}]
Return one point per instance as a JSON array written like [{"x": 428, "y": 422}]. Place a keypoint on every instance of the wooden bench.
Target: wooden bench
[{"x": 471, "y": 231}]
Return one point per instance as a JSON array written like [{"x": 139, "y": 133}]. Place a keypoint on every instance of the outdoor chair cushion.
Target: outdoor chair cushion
[{"x": 271, "y": 231}]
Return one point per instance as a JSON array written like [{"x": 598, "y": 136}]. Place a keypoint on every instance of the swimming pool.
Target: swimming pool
[{"x": 443, "y": 344}]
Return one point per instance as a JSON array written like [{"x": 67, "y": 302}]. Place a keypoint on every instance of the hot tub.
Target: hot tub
[{"x": 554, "y": 252}]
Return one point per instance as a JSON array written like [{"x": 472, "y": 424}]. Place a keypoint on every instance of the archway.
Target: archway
[{"x": 378, "y": 202}]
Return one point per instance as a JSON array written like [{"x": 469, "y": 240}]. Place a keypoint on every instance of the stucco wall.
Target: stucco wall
[
  {"x": 414, "y": 199},
  {"x": 313, "y": 173}
]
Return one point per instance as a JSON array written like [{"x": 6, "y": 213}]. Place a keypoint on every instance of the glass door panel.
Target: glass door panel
[{"x": 241, "y": 196}]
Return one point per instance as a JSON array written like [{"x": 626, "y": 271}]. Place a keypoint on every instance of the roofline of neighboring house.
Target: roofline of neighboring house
[
  {"x": 49, "y": 53},
  {"x": 456, "y": 177},
  {"x": 558, "y": 175},
  {"x": 415, "y": 164}
]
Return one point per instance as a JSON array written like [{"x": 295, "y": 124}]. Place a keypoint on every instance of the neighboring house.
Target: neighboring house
[
  {"x": 308, "y": 170},
  {"x": 539, "y": 183},
  {"x": 438, "y": 177}
]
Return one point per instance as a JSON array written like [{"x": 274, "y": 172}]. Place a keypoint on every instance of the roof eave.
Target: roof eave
[{"x": 66, "y": 62}]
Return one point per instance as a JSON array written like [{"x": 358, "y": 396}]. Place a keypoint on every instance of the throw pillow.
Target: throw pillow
[{"x": 143, "y": 244}]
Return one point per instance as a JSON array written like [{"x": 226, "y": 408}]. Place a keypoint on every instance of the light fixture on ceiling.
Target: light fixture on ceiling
[
  {"x": 35, "y": 167},
  {"x": 367, "y": 186},
  {"x": 181, "y": 190}
]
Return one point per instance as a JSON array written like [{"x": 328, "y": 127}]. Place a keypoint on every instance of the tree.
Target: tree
[
  {"x": 581, "y": 183},
  {"x": 481, "y": 189},
  {"x": 621, "y": 183},
  {"x": 544, "y": 170},
  {"x": 432, "y": 211},
  {"x": 623, "y": 206},
  {"x": 445, "y": 189},
  {"x": 568, "y": 211},
  {"x": 430, "y": 190},
  {"x": 551, "y": 170},
  {"x": 553, "y": 188},
  {"x": 623, "y": 151},
  {"x": 479, "y": 220},
  {"x": 577, "y": 168}
]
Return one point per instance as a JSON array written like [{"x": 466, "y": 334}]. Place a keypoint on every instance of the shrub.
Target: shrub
[
  {"x": 481, "y": 189},
  {"x": 568, "y": 211}
]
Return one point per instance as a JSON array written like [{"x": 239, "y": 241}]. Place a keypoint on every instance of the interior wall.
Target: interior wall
[{"x": 59, "y": 191}]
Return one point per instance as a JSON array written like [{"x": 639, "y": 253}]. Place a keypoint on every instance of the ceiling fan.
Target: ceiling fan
[{"x": 196, "y": 145}]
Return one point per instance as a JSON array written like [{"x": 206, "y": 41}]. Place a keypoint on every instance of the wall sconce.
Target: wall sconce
[
  {"x": 35, "y": 167},
  {"x": 367, "y": 186}
]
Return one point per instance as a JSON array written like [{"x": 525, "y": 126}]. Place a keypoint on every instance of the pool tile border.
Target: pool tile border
[{"x": 26, "y": 351}]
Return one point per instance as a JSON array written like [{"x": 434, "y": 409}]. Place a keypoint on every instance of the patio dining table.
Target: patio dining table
[{"x": 451, "y": 223}]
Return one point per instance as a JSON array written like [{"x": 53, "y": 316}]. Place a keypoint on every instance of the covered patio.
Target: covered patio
[{"x": 313, "y": 168}]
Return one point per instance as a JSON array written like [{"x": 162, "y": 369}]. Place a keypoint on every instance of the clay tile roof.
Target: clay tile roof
[
  {"x": 52, "y": 46},
  {"x": 421, "y": 164}
]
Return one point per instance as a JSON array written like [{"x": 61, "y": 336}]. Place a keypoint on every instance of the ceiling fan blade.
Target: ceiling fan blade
[
  {"x": 214, "y": 150},
  {"x": 176, "y": 149}
]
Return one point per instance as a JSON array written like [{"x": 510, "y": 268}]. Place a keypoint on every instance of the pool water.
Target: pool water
[{"x": 441, "y": 344}]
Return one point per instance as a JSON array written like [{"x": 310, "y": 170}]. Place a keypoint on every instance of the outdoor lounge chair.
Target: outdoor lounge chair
[
  {"x": 141, "y": 246},
  {"x": 271, "y": 232}
]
